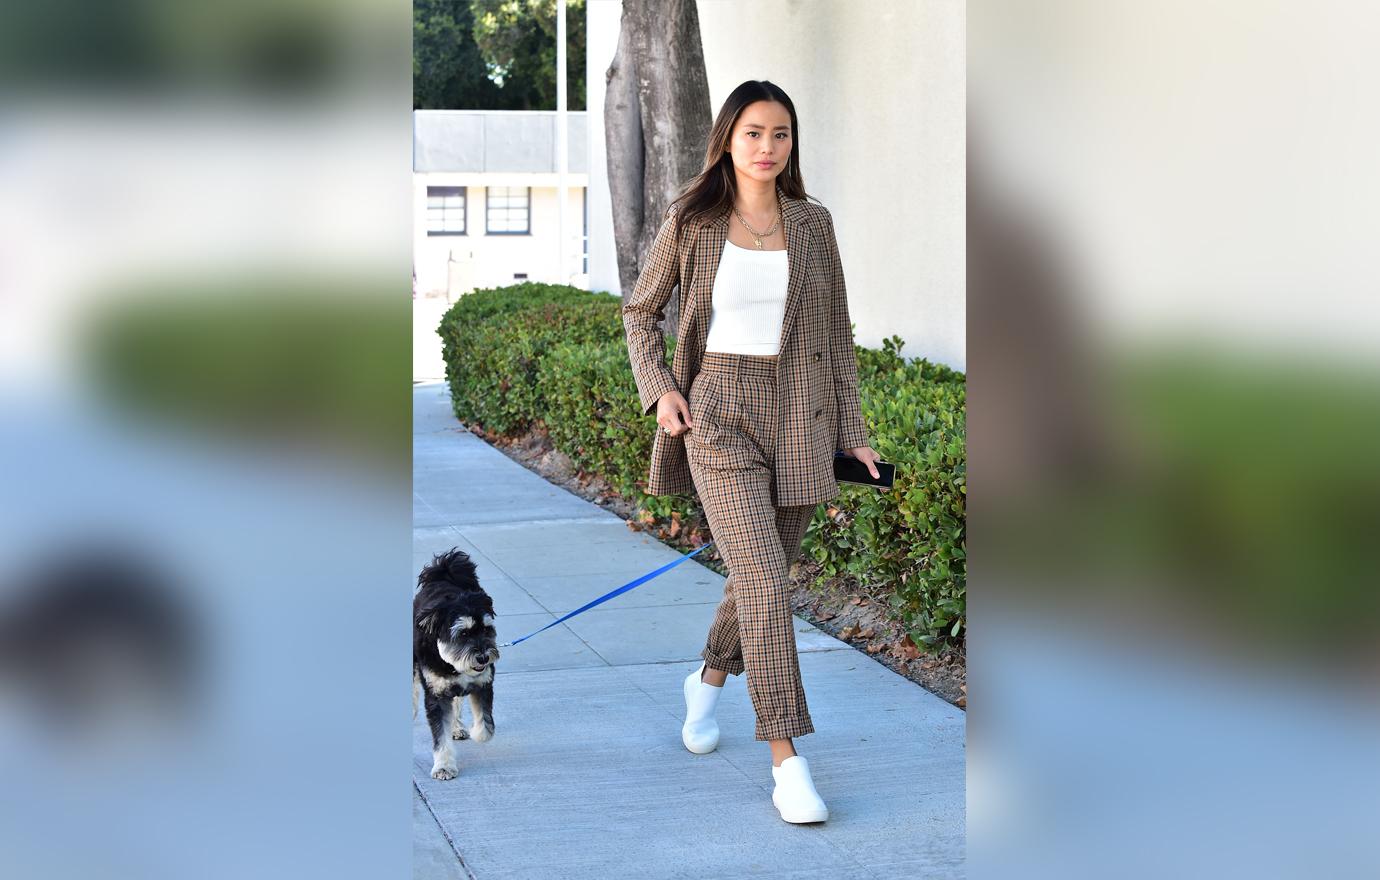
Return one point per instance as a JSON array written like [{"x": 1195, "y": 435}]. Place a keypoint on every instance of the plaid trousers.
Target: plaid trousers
[{"x": 731, "y": 451}]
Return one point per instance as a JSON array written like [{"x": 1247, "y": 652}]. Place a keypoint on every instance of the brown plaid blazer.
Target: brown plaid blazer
[{"x": 816, "y": 369}]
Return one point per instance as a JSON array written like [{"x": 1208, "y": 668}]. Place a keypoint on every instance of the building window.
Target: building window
[
  {"x": 445, "y": 210},
  {"x": 508, "y": 210}
]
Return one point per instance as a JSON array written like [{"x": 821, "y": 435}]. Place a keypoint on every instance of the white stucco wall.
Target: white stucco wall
[{"x": 880, "y": 94}]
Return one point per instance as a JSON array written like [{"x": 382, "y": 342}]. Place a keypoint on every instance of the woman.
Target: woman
[{"x": 765, "y": 353}]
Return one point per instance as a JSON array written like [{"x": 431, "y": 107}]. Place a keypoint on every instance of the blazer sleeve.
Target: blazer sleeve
[
  {"x": 851, "y": 425},
  {"x": 644, "y": 311}
]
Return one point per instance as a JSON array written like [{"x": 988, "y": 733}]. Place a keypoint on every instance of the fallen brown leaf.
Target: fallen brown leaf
[
  {"x": 875, "y": 647},
  {"x": 907, "y": 649}
]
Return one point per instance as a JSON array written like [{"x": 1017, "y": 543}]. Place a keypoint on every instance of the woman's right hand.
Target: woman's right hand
[{"x": 672, "y": 414}]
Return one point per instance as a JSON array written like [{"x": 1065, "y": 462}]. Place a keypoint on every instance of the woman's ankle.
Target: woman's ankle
[{"x": 781, "y": 750}]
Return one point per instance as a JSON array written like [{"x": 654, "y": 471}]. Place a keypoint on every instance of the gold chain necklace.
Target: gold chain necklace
[{"x": 758, "y": 236}]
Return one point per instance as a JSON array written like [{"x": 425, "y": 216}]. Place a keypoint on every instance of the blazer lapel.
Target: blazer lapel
[
  {"x": 710, "y": 250},
  {"x": 797, "y": 252}
]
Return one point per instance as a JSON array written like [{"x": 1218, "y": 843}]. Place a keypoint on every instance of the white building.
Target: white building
[{"x": 486, "y": 191}]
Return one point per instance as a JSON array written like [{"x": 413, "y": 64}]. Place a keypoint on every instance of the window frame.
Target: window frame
[
  {"x": 464, "y": 192},
  {"x": 488, "y": 212}
]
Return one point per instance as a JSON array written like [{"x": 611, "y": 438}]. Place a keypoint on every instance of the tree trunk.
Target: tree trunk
[
  {"x": 623, "y": 146},
  {"x": 656, "y": 124}
]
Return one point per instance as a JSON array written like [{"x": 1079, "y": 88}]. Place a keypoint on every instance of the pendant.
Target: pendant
[{"x": 759, "y": 243}]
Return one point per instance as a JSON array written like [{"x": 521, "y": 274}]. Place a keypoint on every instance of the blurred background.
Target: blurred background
[
  {"x": 204, "y": 442},
  {"x": 1173, "y": 436}
]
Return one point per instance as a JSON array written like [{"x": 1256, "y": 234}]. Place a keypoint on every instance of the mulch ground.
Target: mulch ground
[{"x": 839, "y": 605}]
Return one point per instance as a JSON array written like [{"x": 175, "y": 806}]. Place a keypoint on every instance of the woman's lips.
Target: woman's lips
[{"x": 764, "y": 164}]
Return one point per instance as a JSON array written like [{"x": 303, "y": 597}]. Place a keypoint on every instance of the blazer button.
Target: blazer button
[
  {"x": 817, "y": 355},
  {"x": 817, "y": 412}
]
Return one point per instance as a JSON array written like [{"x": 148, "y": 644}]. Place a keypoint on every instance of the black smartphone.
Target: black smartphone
[{"x": 848, "y": 469}]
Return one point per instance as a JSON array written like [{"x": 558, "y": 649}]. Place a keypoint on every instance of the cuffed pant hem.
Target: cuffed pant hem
[
  {"x": 784, "y": 729},
  {"x": 732, "y": 667}
]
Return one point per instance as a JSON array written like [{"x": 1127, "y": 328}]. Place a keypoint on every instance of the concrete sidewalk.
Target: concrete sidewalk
[{"x": 586, "y": 776}]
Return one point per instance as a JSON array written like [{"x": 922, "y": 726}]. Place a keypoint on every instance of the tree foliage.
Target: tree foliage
[{"x": 494, "y": 54}]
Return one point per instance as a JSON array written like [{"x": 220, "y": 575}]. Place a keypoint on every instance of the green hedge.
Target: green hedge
[
  {"x": 589, "y": 414},
  {"x": 493, "y": 341},
  {"x": 529, "y": 352},
  {"x": 910, "y": 539}
]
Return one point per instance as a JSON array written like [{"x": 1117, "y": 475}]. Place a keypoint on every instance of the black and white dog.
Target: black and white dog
[{"x": 453, "y": 654}]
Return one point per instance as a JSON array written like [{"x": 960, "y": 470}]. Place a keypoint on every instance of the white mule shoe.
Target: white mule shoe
[
  {"x": 700, "y": 733},
  {"x": 795, "y": 796}
]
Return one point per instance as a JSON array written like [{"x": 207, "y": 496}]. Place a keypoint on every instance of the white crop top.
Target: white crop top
[{"x": 749, "y": 301}]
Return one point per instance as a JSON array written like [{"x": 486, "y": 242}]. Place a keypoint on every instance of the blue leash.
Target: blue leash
[{"x": 607, "y": 596}]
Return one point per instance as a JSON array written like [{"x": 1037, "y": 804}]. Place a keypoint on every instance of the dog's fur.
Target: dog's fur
[{"x": 453, "y": 654}]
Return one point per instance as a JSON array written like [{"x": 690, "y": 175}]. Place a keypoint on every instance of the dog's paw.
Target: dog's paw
[
  {"x": 481, "y": 732},
  {"x": 443, "y": 773},
  {"x": 459, "y": 733}
]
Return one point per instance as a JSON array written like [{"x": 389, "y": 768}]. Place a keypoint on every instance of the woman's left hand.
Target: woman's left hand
[{"x": 867, "y": 456}]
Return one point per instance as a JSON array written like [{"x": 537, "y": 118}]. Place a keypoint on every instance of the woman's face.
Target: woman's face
[{"x": 762, "y": 140}]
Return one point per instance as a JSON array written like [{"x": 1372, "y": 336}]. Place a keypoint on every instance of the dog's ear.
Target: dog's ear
[
  {"x": 430, "y": 613},
  {"x": 426, "y": 621}
]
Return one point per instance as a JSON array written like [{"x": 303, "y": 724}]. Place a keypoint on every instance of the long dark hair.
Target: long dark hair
[{"x": 711, "y": 192}]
